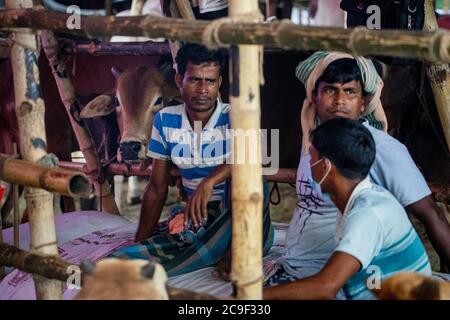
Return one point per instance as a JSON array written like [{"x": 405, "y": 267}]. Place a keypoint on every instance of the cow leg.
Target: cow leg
[
  {"x": 133, "y": 194},
  {"x": 118, "y": 184},
  {"x": 67, "y": 204},
  {"x": 7, "y": 211}
]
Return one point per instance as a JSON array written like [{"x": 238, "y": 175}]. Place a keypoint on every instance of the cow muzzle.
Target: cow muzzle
[{"x": 132, "y": 151}]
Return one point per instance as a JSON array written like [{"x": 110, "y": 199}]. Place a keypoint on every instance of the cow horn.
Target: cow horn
[
  {"x": 88, "y": 267},
  {"x": 116, "y": 71},
  {"x": 148, "y": 270}
]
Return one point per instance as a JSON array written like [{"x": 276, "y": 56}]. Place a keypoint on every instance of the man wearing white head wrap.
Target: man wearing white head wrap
[
  {"x": 337, "y": 85},
  {"x": 310, "y": 70}
]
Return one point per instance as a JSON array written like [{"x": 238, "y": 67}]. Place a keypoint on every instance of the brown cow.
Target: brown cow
[
  {"x": 141, "y": 92},
  {"x": 118, "y": 279},
  {"x": 413, "y": 286}
]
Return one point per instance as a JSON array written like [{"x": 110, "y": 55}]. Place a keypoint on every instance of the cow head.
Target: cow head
[
  {"x": 119, "y": 279},
  {"x": 413, "y": 286},
  {"x": 140, "y": 94}
]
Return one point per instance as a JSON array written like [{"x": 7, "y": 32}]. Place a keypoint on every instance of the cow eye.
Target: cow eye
[{"x": 158, "y": 101}]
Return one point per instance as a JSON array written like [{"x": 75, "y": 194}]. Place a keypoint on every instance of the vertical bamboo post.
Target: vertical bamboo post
[
  {"x": 439, "y": 76},
  {"x": 185, "y": 9},
  {"x": 107, "y": 4},
  {"x": 2, "y": 269},
  {"x": 136, "y": 7},
  {"x": 67, "y": 93},
  {"x": 136, "y": 10},
  {"x": 246, "y": 191},
  {"x": 16, "y": 215},
  {"x": 30, "y": 115}
]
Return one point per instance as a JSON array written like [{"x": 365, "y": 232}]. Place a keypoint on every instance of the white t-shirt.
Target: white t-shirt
[
  {"x": 310, "y": 237},
  {"x": 329, "y": 13},
  {"x": 375, "y": 230},
  {"x": 211, "y": 5}
]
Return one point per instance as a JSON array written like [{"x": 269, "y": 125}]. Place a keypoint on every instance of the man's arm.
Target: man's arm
[
  {"x": 153, "y": 199},
  {"x": 323, "y": 285},
  {"x": 196, "y": 207},
  {"x": 436, "y": 225}
]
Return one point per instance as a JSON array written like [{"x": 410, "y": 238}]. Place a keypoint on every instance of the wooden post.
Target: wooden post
[
  {"x": 67, "y": 93},
  {"x": 185, "y": 9},
  {"x": 2, "y": 269},
  {"x": 439, "y": 76},
  {"x": 30, "y": 117},
  {"x": 136, "y": 7},
  {"x": 16, "y": 213},
  {"x": 136, "y": 10},
  {"x": 247, "y": 195}
]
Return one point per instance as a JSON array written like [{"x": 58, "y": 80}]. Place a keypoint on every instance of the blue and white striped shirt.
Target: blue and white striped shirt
[
  {"x": 375, "y": 229},
  {"x": 195, "y": 151}
]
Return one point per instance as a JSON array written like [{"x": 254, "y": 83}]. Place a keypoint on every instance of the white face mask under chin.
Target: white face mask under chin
[{"x": 326, "y": 173}]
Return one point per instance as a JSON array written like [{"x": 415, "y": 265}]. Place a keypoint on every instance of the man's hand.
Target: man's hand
[
  {"x": 323, "y": 285},
  {"x": 436, "y": 226},
  {"x": 222, "y": 269},
  {"x": 196, "y": 207},
  {"x": 153, "y": 200}
]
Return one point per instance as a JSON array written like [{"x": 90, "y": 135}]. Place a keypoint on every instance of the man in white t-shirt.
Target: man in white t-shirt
[
  {"x": 373, "y": 234},
  {"x": 335, "y": 88}
]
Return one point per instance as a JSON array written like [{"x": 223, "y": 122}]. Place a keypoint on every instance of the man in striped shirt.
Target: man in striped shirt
[{"x": 194, "y": 136}]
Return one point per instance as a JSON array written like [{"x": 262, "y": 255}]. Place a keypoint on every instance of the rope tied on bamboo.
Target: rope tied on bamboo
[
  {"x": 439, "y": 49},
  {"x": 247, "y": 284},
  {"x": 356, "y": 35},
  {"x": 12, "y": 40},
  {"x": 280, "y": 26},
  {"x": 210, "y": 36},
  {"x": 36, "y": 248}
]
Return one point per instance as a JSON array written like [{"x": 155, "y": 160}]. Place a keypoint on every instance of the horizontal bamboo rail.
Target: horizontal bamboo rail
[
  {"x": 52, "y": 267},
  {"x": 63, "y": 181},
  {"x": 147, "y": 48},
  {"x": 283, "y": 175},
  {"x": 430, "y": 46}
]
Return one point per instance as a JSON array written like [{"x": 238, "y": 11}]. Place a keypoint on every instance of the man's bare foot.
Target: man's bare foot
[{"x": 222, "y": 270}]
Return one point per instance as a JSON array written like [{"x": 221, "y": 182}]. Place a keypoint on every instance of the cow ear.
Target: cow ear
[
  {"x": 88, "y": 267},
  {"x": 148, "y": 271},
  {"x": 99, "y": 106},
  {"x": 116, "y": 71}
]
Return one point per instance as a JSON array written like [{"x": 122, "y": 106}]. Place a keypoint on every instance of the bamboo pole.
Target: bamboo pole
[
  {"x": 431, "y": 46},
  {"x": 185, "y": 9},
  {"x": 439, "y": 76},
  {"x": 284, "y": 175},
  {"x": 50, "y": 267},
  {"x": 147, "y": 48},
  {"x": 247, "y": 198},
  {"x": 136, "y": 7},
  {"x": 67, "y": 93},
  {"x": 174, "y": 45},
  {"x": 63, "y": 181},
  {"x": 2, "y": 269},
  {"x": 16, "y": 214},
  {"x": 136, "y": 10},
  {"x": 30, "y": 117}
]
